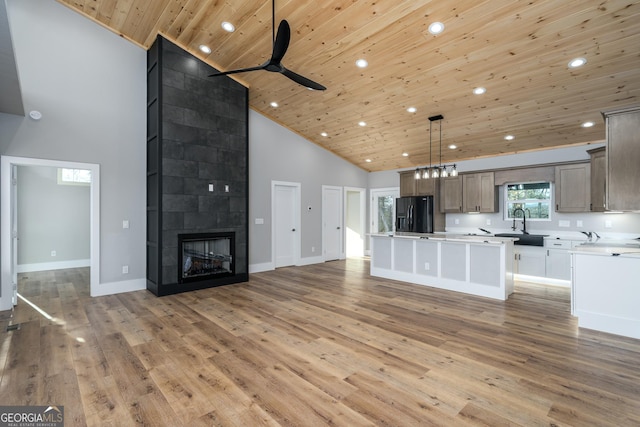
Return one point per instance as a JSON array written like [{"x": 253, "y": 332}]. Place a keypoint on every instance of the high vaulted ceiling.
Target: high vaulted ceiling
[{"x": 518, "y": 50}]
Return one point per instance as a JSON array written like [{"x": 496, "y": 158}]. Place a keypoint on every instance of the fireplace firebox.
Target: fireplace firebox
[{"x": 205, "y": 256}]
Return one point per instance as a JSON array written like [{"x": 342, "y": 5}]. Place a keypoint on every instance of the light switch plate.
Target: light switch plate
[
  {"x": 564, "y": 223},
  {"x": 259, "y": 221},
  {"x": 211, "y": 188},
  {"x": 125, "y": 223}
]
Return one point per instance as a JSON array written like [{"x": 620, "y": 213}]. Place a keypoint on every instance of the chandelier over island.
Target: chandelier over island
[{"x": 441, "y": 170}]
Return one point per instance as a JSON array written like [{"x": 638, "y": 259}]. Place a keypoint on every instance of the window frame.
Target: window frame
[{"x": 508, "y": 202}]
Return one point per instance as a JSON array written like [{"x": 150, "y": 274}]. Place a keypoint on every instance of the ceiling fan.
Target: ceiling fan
[{"x": 274, "y": 64}]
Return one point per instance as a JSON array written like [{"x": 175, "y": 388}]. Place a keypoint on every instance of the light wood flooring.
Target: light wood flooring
[{"x": 312, "y": 346}]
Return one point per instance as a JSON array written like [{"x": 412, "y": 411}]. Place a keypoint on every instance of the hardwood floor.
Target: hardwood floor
[{"x": 312, "y": 346}]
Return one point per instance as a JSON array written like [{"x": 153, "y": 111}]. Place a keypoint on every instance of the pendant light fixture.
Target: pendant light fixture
[{"x": 440, "y": 170}]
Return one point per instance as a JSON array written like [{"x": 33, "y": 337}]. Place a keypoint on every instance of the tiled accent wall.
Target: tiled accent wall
[{"x": 199, "y": 139}]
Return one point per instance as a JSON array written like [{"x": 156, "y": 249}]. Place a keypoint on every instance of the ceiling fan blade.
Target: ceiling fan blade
[
  {"x": 241, "y": 70},
  {"x": 281, "y": 43},
  {"x": 302, "y": 80}
]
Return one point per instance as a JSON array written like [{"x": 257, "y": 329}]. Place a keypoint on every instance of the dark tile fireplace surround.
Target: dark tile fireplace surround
[{"x": 197, "y": 174}]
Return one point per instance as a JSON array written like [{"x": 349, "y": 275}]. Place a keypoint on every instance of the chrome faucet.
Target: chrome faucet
[{"x": 524, "y": 220}]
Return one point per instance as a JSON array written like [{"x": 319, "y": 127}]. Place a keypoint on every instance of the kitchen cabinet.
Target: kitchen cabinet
[
  {"x": 622, "y": 159},
  {"x": 598, "y": 178},
  {"x": 410, "y": 186},
  {"x": 479, "y": 192},
  {"x": 558, "y": 259},
  {"x": 530, "y": 261},
  {"x": 451, "y": 194},
  {"x": 573, "y": 182},
  {"x": 407, "y": 183}
]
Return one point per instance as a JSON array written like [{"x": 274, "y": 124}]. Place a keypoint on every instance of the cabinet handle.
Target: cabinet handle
[{"x": 556, "y": 206}]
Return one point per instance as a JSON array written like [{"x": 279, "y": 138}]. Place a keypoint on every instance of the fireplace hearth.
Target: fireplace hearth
[{"x": 205, "y": 256}]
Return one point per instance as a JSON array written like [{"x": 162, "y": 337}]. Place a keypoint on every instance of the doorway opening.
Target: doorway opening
[{"x": 9, "y": 238}]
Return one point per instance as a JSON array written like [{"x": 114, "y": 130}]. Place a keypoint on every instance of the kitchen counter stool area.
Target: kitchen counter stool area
[{"x": 475, "y": 266}]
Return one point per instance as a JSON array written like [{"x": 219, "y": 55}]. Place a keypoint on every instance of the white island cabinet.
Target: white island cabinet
[
  {"x": 605, "y": 289},
  {"x": 471, "y": 264}
]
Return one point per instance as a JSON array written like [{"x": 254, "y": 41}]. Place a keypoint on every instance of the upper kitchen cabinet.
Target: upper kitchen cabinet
[
  {"x": 451, "y": 194},
  {"x": 407, "y": 184},
  {"x": 410, "y": 186},
  {"x": 573, "y": 182},
  {"x": 479, "y": 192},
  {"x": 622, "y": 159},
  {"x": 598, "y": 178}
]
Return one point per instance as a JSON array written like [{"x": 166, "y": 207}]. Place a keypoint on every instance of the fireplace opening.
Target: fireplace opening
[{"x": 205, "y": 256}]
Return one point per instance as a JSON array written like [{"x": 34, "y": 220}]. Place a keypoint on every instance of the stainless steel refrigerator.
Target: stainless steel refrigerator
[{"x": 414, "y": 214}]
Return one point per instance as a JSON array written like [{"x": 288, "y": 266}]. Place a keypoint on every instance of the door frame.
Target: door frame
[
  {"x": 341, "y": 250},
  {"x": 6, "y": 264},
  {"x": 363, "y": 215},
  {"x": 296, "y": 215}
]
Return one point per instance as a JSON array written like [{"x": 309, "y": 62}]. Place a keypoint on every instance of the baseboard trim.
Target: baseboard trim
[
  {"x": 119, "y": 287},
  {"x": 46, "y": 266}
]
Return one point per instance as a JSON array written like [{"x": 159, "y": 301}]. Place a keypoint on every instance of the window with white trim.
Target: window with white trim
[
  {"x": 67, "y": 176},
  {"x": 534, "y": 198}
]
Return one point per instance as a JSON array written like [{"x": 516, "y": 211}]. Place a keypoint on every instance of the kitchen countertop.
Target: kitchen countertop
[
  {"x": 627, "y": 248},
  {"x": 449, "y": 237}
]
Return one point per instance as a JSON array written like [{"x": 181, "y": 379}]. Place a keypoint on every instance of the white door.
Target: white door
[
  {"x": 332, "y": 230},
  {"x": 285, "y": 224},
  {"x": 14, "y": 234}
]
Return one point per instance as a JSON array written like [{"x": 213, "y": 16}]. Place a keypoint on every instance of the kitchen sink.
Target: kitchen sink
[{"x": 525, "y": 239}]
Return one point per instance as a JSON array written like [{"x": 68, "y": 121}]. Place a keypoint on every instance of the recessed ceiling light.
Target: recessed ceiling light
[
  {"x": 324, "y": 134},
  {"x": 412, "y": 109},
  {"x": 509, "y": 137},
  {"x": 453, "y": 146},
  {"x": 274, "y": 104},
  {"x": 436, "y": 27},
  {"x": 479, "y": 90},
  {"x": 204, "y": 48},
  {"x": 363, "y": 124},
  {"x": 405, "y": 154},
  {"x": 577, "y": 62},
  {"x": 368, "y": 160},
  {"x": 587, "y": 124},
  {"x": 228, "y": 26},
  {"x": 362, "y": 63}
]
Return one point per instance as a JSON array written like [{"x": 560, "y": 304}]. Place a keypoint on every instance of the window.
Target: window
[
  {"x": 534, "y": 198},
  {"x": 383, "y": 210},
  {"x": 74, "y": 176}
]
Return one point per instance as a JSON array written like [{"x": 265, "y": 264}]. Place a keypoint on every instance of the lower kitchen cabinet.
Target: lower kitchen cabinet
[
  {"x": 558, "y": 264},
  {"x": 530, "y": 260},
  {"x": 558, "y": 258}
]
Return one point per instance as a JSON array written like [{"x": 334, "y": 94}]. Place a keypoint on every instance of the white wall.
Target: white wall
[
  {"x": 278, "y": 154},
  {"x": 90, "y": 86},
  {"x": 52, "y": 217}
]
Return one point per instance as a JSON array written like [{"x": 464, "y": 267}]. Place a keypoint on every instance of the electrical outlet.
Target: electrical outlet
[
  {"x": 313, "y": 248},
  {"x": 125, "y": 269},
  {"x": 125, "y": 224},
  {"x": 427, "y": 266},
  {"x": 53, "y": 253},
  {"x": 488, "y": 222},
  {"x": 608, "y": 224},
  {"x": 579, "y": 223},
  {"x": 456, "y": 221}
]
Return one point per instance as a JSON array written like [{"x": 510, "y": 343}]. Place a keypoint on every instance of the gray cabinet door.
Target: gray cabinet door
[{"x": 623, "y": 158}]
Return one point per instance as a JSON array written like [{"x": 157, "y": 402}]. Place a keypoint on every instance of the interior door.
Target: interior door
[
  {"x": 332, "y": 231},
  {"x": 14, "y": 234},
  {"x": 285, "y": 231}
]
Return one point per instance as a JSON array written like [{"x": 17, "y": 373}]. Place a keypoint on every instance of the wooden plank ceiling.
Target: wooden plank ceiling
[{"x": 518, "y": 50}]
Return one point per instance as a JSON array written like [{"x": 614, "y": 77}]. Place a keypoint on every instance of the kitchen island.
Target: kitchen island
[
  {"x": 605, "y": 288},
  {"x": 478, "y": 265}
]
